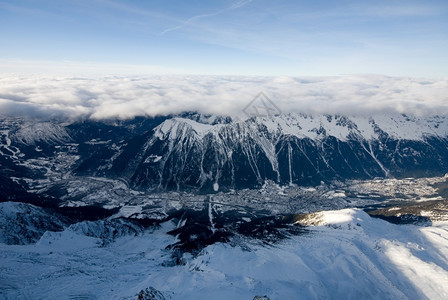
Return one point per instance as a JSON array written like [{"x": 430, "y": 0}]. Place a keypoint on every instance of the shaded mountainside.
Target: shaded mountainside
[
  {"x": 304, "y": 150},
  {"x": 209, "y": 153},
  {"x": 23, "y": 223}
]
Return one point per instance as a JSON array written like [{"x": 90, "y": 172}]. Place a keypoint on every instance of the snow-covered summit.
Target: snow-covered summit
[
  {"x": 348, "y": 127},
  {"x": 211, "y": 119},
  {"x": 175, "y": 127},
  {"x": 316, "y": 127}
]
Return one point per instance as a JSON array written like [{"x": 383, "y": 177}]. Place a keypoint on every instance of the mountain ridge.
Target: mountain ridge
[{"x": 267, "y": 147}]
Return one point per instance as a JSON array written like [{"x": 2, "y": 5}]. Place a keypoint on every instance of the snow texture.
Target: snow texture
[
  {"x": 47, "y": 132},
  {"x": 346, "y": 255},
  {"x": 316, "y": 127}
]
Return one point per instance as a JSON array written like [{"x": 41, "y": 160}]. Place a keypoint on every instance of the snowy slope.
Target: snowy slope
[
  {"x": 47, "y": 132},
  {"x": 318, "y": 126},
  {"x": 346, "y": 255}
]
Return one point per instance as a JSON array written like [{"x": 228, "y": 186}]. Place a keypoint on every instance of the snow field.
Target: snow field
[{"x": 347, "y": 254}]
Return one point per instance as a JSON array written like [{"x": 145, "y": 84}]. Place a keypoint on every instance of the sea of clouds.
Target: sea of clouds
[{"x": 126, "y": 97}]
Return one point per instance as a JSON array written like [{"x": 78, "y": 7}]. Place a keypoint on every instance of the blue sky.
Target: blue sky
[{"x": 241, "y": 37}]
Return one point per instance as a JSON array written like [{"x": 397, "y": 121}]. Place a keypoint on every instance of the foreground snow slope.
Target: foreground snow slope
[{"x": 346, "y": 255}]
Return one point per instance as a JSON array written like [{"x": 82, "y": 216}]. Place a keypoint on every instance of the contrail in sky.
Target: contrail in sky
[{"x": 236, "y": 5}]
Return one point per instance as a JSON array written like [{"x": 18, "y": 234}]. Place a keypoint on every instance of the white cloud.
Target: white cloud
[{"x": 126, "y": 97}]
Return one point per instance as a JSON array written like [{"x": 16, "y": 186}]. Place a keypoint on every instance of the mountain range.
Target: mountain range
[{"x": 194, "y": 152}]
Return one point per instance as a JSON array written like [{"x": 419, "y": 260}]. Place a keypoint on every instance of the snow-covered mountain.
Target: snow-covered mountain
[
  {"x": 301, "y": 149},
  {"x": 209, "y": 153}
]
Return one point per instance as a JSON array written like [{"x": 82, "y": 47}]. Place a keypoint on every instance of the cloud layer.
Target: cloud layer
[{"x": 126, "y": 97}]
